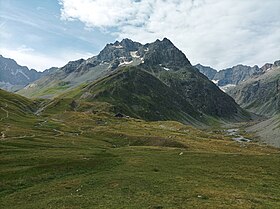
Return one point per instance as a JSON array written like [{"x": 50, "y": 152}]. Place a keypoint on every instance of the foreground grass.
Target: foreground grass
[{"x": 78, "y": 160}]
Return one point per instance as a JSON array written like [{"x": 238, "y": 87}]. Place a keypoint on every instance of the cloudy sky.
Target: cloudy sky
[{"x": 219, "y": 33}]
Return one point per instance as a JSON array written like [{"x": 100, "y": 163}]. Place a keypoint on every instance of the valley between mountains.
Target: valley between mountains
[{"x": 138, "y": 126}]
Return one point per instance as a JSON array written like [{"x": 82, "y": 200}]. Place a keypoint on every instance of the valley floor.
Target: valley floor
[{"x": 79, "y": 160}]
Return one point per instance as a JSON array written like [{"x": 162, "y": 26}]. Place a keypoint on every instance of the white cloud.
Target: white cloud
[
  {"x": 220, "y": 33},
  {"x": 26, "y": 56}
]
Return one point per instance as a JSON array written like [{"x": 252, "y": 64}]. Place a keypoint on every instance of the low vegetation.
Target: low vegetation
[{"x": 75, "y": 158}]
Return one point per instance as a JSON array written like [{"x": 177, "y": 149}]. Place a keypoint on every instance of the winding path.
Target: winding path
[
  {"x": 6, "y": 111},
  {"x": 7, "y": 116}
]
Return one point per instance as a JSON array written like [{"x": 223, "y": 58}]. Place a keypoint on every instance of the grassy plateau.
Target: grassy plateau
[{"x": 80, "y": 159}]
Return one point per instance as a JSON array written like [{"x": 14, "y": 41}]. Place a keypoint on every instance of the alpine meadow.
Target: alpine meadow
[{"x": 102, "y": 106}]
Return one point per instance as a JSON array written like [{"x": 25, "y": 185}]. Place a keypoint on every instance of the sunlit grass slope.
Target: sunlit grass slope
[{"x": 71, "y": 159}]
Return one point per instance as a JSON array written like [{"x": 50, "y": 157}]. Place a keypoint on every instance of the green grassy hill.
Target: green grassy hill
[
  {"x": 135, "y": 92},
  {"x": 13, "y": 106}
]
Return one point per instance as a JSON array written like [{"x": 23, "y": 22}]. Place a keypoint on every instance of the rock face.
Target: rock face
[
  {"x": 260, "y": 94},
  {"x": 207, "y": 71},
  {"x": 233, "y": 76},
  {"x": 236, "y": 74},
  {"x": 164, "y": 53},
  {"x": 14, "y": 76}
]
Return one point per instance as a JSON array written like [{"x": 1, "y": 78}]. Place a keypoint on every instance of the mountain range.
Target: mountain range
[
  {"x": 14, "y": 76},
  {"x": 231, "y": 77},
  {"x": 260, "y": 94},
  {"x": 154, "y": 81}
]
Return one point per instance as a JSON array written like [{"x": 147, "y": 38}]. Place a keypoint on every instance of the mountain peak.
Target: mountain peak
[
  {"x": 126, "y": 41},
  {"x": 277, "y": 63},
  {"x": 266, "y": 66},
  {"x": 165, "y": 42},
  {"x": 165, "y": 53}
]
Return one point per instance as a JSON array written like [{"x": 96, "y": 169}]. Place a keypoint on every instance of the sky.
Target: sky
[{"x": 219, "y": 33}]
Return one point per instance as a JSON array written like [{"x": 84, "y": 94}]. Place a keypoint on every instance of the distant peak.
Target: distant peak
[
  {"x": 266, "y": 66},
  {"x": 127, "y": 40},
  {"x": 76, "y": 62},
  {"x": 116, "y": 43},
  {"x": 277, "y": 63},
  {"x": 165, "y": 42}
]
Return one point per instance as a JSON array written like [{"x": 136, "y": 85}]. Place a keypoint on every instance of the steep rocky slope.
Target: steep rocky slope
[
  {"x": 268, "y": 130},
  {"x": 260, "y": 94},
  {"x": 230, "y": 77},
  {"x": 14, "y": 77}
]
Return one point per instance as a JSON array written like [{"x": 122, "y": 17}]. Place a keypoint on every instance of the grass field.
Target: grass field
[{"x": 80, "y": 160}]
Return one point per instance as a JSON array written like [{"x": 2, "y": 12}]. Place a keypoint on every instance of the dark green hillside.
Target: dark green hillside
[
  {"x": 204, "y": 95},
  {"x": 135, "y": 92}
]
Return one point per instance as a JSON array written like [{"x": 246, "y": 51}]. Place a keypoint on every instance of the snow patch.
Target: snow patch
[
  {"x": 125, "y": 63},
  {"x": 134, "y": 54},
  {"x": 104, "y": 63},
  {"x": 215, "y": 81},
  {"x": 226, "y": 87},
  {"x": 118, "y": 46}
]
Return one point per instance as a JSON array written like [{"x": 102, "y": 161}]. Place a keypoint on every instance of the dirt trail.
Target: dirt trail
[
  {"x": 6, "y": 111},
  {"x": 3, "y": 135},
  {"x": 60, "y": 133}
]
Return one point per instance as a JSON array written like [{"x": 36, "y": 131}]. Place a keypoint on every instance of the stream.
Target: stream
[{"x": 236, "y": 136}]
